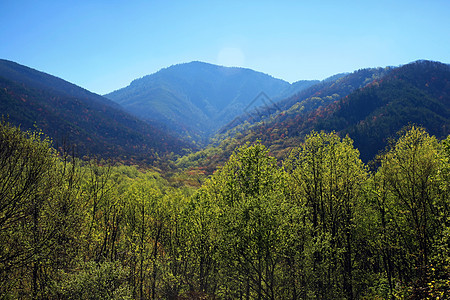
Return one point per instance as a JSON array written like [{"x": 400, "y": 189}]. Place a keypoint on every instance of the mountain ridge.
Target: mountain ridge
[
  {"x": 372, "y": 106},
  {"x": 64, "y": 111},
  {"x": 368, "y": 104},
  {"x": 38, "y": 79},
  {"x": 415, "y": 93},
  {"x": 197, "y": 98}
]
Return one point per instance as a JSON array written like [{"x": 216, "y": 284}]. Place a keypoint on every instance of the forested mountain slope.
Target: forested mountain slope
[
  {"x": 198, "y": 98},
  {"x": 370, "y": 105},
  {"x": 416, "y": 93},
  {"x": 69, "y": 114},
  {"x": 308, "y": 99},
  {"x": 320, "y": 223}
]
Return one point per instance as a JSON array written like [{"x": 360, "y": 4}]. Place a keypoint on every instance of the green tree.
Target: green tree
[
  {"x": 95, "y": 281},
  {"x": 250, "y": 210},
  {"x": 326, "y": 177},
  {"x": 200, "y": 218},
  {"x": 38, "y": 211},
  {"x": 417, "y": 205}
]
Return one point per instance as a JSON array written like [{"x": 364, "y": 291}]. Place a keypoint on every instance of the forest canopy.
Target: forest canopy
[{"x": 319, "y": 224}]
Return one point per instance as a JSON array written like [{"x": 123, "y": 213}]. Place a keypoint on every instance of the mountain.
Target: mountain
[
  {"x": 198, "y": 98},
  {"x": 73, "y": 115},
  {"x": 307, "y": 100},
  {"x": 295, "y": 88},
  {"x": 371, "y": 105},
  {"x": 417, "y": 93}
]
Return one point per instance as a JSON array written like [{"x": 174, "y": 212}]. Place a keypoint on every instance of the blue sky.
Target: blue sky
[{"x": 104, "y": 45}]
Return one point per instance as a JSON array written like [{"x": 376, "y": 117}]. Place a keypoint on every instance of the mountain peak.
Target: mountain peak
[{"x": 197, "y": 97}]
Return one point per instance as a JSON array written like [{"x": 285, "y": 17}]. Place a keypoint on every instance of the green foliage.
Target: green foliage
[
  {"x": 251, "y": 208},
  {"x": 38, "y": 202},
  {"x": 95, "y": 281},
  {"x": 326, "y": 176},
  {"x": 319, "y": 225},
  {"x": 416, "y": 209}
]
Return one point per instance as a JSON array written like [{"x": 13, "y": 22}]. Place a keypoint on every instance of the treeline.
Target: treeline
[{"x": 319, "y": 225}]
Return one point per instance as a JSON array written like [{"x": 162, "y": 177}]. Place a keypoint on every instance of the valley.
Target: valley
[{"x": 186, "y": 185}]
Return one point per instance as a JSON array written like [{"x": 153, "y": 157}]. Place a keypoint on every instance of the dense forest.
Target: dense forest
[
  {"x": 71, "y": 115},
  {"x": 319, "y": 224},
  {"x": 369, "y": 105}
]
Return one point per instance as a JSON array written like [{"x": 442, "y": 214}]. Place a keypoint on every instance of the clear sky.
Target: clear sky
[{"x": 104, "y": 45}]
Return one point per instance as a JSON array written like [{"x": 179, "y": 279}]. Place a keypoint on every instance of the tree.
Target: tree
[
  {"x": 96, "y": 281},
  {"x": 413, "y": 169},
  {"x": 250, "y": 211},
  {"x": 326, "y": 177},
  {"x": 38, "y": 194}
]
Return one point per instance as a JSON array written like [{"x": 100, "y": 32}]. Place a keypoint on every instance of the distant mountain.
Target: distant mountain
[
  {"x": 370, "y": 105},
  {"x": 295, "y": 88},
  {"x": 417, "y": 93},
  {"x": 66, "y": 112},
  {"x": 310, "y": 98},
  {"x": 197, "y": 98}
]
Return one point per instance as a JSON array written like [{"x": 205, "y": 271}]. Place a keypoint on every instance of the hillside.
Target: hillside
[
  {"x": 72, "y": 115},
  {"x": 379, "y": 103},
  {"x": 307, "y": 99},
  {"x": 370, "y": 105},
  {"x": 417, "y": 93},
  {"x": 196, "y": 98}
]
